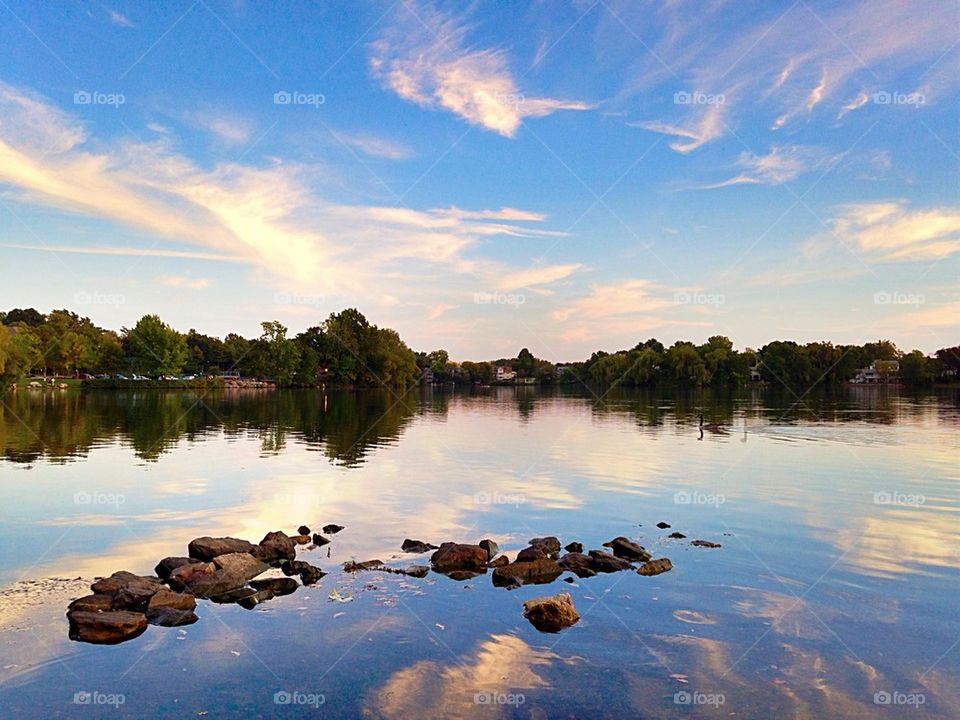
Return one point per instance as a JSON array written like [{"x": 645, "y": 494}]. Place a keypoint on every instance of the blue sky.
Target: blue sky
[{"x": 485, "y": 176}]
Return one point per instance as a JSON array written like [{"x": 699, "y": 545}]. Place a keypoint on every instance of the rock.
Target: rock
[
  {"x": 275, "y": 547},
  {"x": 309, "y": 574},
  {"x": 204, "y": 580},
  {"x": 491, "y": 547},
  {"x": 676, "y": 535},
  {"x": 499, "y": 562},
  {"x": 551, "y": 613},
  {"x": 171, "y": 617},
  {"x": 353, "y": 567},
  {"x": 169, "y": 564},
  {"x": 169, "y": 599},
  {"x": 663, "y": 525},
  {"x": 532, "y": 553},
  {"x": 549, "y": 543},
  {"x": 234, "y": 596},
  {"x": 92, "y": 603},
  {"x": 461, "y": 575},
  {"x": 127, "y": 591},
  {"x": 655, "y": 567},
  {"x": 536, "y": 572},
  {"x": 332, "y": 529},
  {"x": 705, "y": 544},
  {"x": 301, "y": 539},
  {"x": 569, "y": 579},
  {"x": 606, "y": 563},
  {"x": 278, "y": 586},
  {"x": 251, "y": 601},
  {"x": 319, "y": 539},
  {"x": 106, "y": 628},
  {"x": 416, "y": 546},
  {"x": 242, "y": 565},
  {"x": 303, "y": 530},
  {"x": 417, "y": 571},
  {"x": 454, "y": 556},
  {"x": 207, "y": 548},
  {"x": 574, "y": 547},
  {"x": 627, "y": 549},
  {"x": 578, "y": 563}
]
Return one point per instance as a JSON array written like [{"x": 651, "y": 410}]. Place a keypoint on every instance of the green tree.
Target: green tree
[{"x": 155, "y": 348}]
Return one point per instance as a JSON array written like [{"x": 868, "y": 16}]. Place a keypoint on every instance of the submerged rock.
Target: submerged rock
[
  {"x": 353, "y": 566},
  {"x": 169, "y": 564},
  {"x": 536, "y": 572},
  {"x": 417, "y": 571},
  {"x": 127, "y": 591},
  {"x": 309, "y": 574},
  {"x": 461, "y": 575},
  {"x": 578, "y": 563},
  {"x": 551, "y": 613},
  {"x": 627, "y": 549},
  {"x": 332, "y": 529},
  {"x": 663, "y": 525},
  {"x": 454, "y": 556},
  {"x": 416, "y": 546},
  {"x": 676, "y": 535},
  {"x": 234, "y": 596},
  {"x": 606, "y": 563},
  {"x": 106, "y": 628},
  {"x": 655, "y": 567},
  {"x": 258, "y": 597},
  {"x": 705, "y": 544},
  {"x": 207, "y": 548}
]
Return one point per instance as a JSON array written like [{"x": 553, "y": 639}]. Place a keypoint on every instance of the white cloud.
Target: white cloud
[
  {"x": 612, "y": 309},
  {"x": 183, "y": 281},
  {"x": 118, "y": 18},
  {"x": 426, "y": 59},
  {"x": 376, "y": 146},
  {"x": 782, "y": 164},
  {"x": 709, "y": 126},
  {"x": 890, "y": 231}
]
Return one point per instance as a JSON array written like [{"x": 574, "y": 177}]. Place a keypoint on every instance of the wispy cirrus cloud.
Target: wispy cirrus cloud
[
  {"x": 426, "y": 58},
  {"x": 376, "y": 146},
  {"x": 183, "y": 281},
  {"x": 612, "y": 309},
  {"x": 782, "y": 164},
  {"x": 709, "y": 126}
]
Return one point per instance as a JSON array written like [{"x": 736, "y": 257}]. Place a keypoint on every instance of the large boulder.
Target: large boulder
[
  {"x": 174, "y": 600},
  {"x": 551, "y": 613},
  {"x": 319, "y": 539},
  {"x": 92, "y": 603},
  {"x": 243, "y": 565},
  {"x": 106, "y": 628},
  {"x": 204, "y": 580},
  {"x": 655, "y": 567},
  {"x": 627, "y": 549},
  {"x": 275, "y": 547},
  {"x": 169, "y": 564},
  {"x": 536, "y": 572},
  {"x": 578, "y": 563},
  {"x": 454, "y": 556},
  {"x": 127, "y": 591},
  {"x": 532, "y": 553},
  {"x": 207, "y": 548},
  {"x": 606, "y": 563},
  {"x": 574, "y": 547},
  {"x": 550, "y": 544}
]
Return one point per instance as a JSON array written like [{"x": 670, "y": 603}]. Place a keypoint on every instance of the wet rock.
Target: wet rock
[
  {"x": 301, "y": 539},
  {"x": 574, "y": 547},
  {"x": 309, "y": 574},
  {"x": 127, "y": 591},
  {"x": 319, "y": 539},
  {"x": 234, "y": 596},
  {"x": 91, "y": 603},
  {"x": 169, "y": 564},
  {"x": 332, "y": 529},
  {"x": 417, "y": 571},
  {"x": 705, "y": 544},
  {"x": 655, "y": 567},
  {"x": 106, "y": 628},
  {"x": 606, "y": 563},
  {"x": 275, "y": 547},
  {"x": 491, "y": 547},
  {"x": 550, "y": 544},
  {"x": 303, "y": 530},
  {"x": 169, "y": 599},
  {"x": 454, "y": 556},
  {"x": 416, "y": 546},
  {"x": 241, "y": 564},
  {"x": 260, "y": 596},
  {"x": 461, "y": 575},
  {"x": 663, "y": 525},
  {"x": 207, "y": 548},
  {"x": 551, "y": 613},
  {"x": 278, "y": 586},
  {"x": 627, "y": 549},
  {"x": 578, "y": 563},
  {"x": 532, "y": 553},
  {"x": 353, "y": 567},
  {"x": 499, "y": 562},
  {"x": 569, "y": 579},
  {"x": 676, "y": 535},
  {"x": 171, "y": 617},
  {"x": 536, "y": 572},
  {"x": 204, "y": 580}
]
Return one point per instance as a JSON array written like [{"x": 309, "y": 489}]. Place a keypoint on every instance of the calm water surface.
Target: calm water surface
[{"x": 835, "y": 594}]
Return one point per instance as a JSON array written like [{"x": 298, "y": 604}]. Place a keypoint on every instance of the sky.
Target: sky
[{"x": 561, "y": 175}]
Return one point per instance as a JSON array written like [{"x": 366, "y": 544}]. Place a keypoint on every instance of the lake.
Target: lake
[{"x": 834, "y": 594}]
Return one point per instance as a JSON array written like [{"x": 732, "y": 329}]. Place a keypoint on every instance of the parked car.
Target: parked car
[{"x": 120, "y": 376}]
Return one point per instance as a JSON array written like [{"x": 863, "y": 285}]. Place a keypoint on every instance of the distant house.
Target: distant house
[
  {"x": 880, "y": 371},
  {"x": 559, "y": 370},
  {"x": 504, "y": 373},
  {"x": 755, "y": 375}
]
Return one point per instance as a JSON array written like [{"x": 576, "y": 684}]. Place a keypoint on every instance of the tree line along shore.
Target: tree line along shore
[{"x": 347, "y": 350}]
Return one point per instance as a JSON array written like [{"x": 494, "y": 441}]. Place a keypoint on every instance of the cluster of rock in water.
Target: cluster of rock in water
[{"x": 225, "y": 570}]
